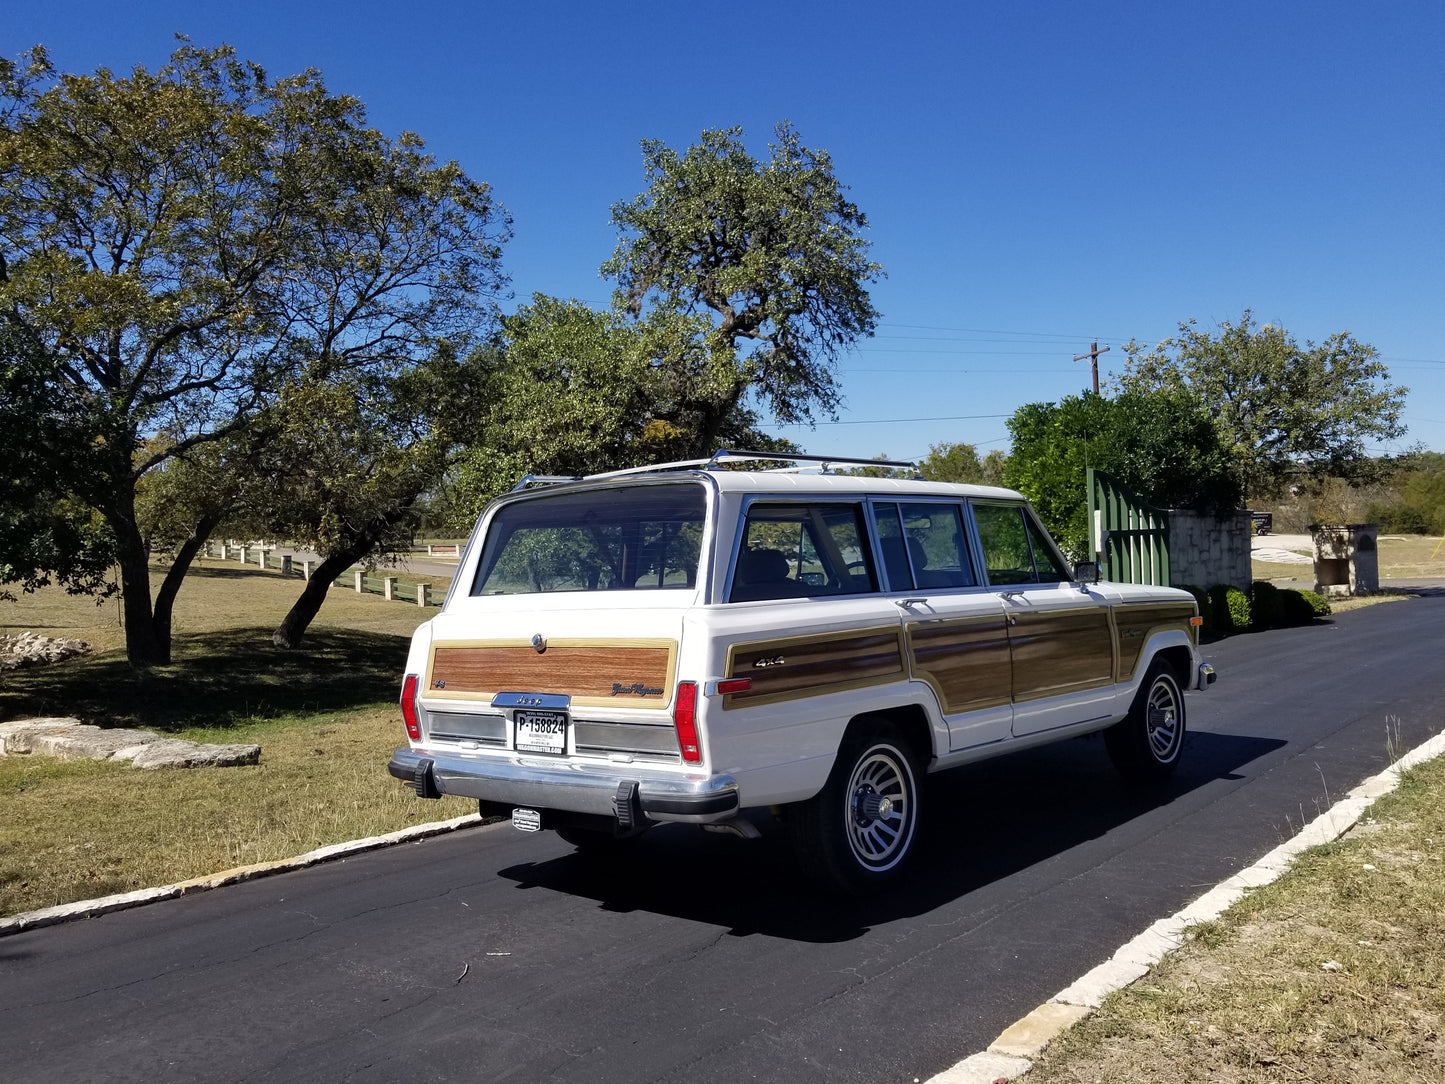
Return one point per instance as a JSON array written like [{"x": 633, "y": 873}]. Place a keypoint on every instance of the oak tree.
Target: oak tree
[
  {"x": 771, "y": 252},
  {"x": 1285, "y": 408},
  {"x": 184, "y": 243}
]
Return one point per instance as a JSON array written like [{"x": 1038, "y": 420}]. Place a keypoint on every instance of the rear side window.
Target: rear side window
[
  {"x": 802, "y": 551},
  {"x": 642, "y": 538},
  {"x": 923, "y": 546}
]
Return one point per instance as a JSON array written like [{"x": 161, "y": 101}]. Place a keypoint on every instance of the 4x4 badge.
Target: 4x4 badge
[{"x": 539, "y": 642}]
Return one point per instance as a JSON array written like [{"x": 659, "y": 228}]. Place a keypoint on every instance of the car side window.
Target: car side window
[
  {"x": 936, "y": 549},
  {"x": 1047, "y": 568},
  {"x": 1007, "y": 556},
  {"x": 892, "y": 547},
  {"x": 802, "y": 551}
]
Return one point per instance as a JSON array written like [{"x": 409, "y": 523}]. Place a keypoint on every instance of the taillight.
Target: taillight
[
  {"x": 684, "y": 719},
  {"x": 408, "y": 707}
]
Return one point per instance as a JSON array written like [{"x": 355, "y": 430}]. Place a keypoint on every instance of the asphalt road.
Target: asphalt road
[{"x": 491, "y": 955}]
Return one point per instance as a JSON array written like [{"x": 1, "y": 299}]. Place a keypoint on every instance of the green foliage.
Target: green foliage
[
  {"x": 1266, "y": 604},
  {"x": 1418, "y": 502},
  {"x": 573, "y": 390},
  {"x": 1229, "y": 608},
  {"x": 1162, "y": 445},
  {"x": 1236, "y": 605},
  {"x": 952, "y": 463},
  {"x": 773, "y": 250},
  {"x": 1283, "y": 407},
  {"x": 186, "y": 243},
  {"x": 45, "y": 534}
]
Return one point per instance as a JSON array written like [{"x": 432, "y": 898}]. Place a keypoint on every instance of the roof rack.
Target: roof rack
[
  {"x": 721, "y": 456},
  {"x": 724, "y": 455}
]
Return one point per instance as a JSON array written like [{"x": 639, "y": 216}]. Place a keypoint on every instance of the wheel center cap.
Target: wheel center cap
[{"x": 872, "y": 806}]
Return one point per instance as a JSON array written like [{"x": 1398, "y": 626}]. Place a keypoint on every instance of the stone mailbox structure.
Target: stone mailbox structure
[{"x": 1347, "y": 558}]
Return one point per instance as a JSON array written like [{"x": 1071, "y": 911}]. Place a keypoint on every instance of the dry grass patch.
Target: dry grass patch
[
  {"x": 1334, "y": 974},
  {"x": 75, "y": 830},
  {"x": 325, "y": 717}
]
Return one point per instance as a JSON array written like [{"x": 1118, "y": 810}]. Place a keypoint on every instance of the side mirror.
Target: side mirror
[{"x": 1086, "y": 572}]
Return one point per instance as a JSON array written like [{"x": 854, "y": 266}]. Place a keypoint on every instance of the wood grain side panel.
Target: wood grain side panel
[
  {"x": 1135, "y": 624},
  {"x": 966, "y": 661},
  {"x": 635, "y": 673},
  {"x": 798, "y": 666},
  {"x": 1061, "y": 651}
]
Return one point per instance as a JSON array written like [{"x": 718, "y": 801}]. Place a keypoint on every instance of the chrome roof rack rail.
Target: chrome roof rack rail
[
  {"x": 718, "y": 458},
  {"x": 544, "y": 480}
]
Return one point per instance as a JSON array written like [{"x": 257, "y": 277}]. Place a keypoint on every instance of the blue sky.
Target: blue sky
[{"x": 1037, "y": 175}]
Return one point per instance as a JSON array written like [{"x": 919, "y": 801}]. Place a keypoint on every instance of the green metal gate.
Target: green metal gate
[{"x": 1130, "y": 538}]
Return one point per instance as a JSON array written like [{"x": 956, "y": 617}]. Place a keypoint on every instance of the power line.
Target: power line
[{"x": 886, "y": 421}]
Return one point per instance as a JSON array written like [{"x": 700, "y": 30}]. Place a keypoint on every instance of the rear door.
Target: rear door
[
  {"x": 1061, "y": 641},
  {"x": 954, "y": 626}
]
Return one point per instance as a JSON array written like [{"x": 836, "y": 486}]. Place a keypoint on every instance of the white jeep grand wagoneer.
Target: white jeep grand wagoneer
[{"x": 689, "y": 642}]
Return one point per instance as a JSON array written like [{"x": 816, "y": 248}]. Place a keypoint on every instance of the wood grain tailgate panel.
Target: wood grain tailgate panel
[{"x": 637, "y": 673}]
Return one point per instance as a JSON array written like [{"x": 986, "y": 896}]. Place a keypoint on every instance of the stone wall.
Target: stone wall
[{"x": 1205, "y": 550}]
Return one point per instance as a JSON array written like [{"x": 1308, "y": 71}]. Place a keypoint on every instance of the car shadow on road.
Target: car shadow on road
[{"x": 984, "y": 822}]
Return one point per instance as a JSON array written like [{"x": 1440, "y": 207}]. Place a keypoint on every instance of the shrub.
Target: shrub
[
  {"x": 1231, "y": 608},
  {"x": 1302, "y": 607},
  {"x": 1295, "y": 609},
  {"x": 1265, "y": 602}
]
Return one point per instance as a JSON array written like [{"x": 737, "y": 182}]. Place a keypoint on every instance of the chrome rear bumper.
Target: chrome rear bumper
[{"x": 568, "y": 785}]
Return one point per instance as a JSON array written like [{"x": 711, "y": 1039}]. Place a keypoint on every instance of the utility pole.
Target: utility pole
[{"x": 1093, "y": 355}]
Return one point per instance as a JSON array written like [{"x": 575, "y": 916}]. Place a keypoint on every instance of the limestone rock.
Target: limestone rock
[
  {"x": 31, "y": 649},
  {"x": 175, "y": 753},
  {"x": 70, "y": 739}
]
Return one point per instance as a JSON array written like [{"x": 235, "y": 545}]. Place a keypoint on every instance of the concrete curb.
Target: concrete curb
[
  {"x": 1008, "y": 1056},
  {"x": 50, "y": 916}
]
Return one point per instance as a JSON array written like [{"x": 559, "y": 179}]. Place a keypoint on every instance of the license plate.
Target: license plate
[{"x": 541, "y": 732}]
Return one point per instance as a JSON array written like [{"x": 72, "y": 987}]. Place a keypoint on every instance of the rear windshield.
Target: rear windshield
[{"x": 642, "y": 538}]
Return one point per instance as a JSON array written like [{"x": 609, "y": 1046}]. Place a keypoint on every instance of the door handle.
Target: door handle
[{"x": 908, "y": 603}]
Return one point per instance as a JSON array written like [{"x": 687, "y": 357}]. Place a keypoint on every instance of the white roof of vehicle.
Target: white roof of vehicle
[{"x": 792, "y": 482}]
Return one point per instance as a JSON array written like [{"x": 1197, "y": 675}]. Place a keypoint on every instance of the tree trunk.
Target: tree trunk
[
  {"x": 175, "y": 575},
  {"x": 293, "y": 626},
  {"x": 142, "y": 647}
]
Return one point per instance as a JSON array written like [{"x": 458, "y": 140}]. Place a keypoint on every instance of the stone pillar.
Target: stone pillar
[
  {"x": 1347, "y": 559},
  {"x": 261, "y": 556},
  {"x": 360, "y": 581},
  {"x": 430, "y": 550},
  {"x": 242, "y": 551},
  {"x": 306, "y": 570},
  {"x": 388, "y": 588},
  {"x": 286, "y": 565},
  {"x": 423, "y": 594}
]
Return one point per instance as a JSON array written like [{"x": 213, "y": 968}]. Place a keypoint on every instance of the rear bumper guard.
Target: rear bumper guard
[
  {"x": 1205, "y": 677},
  {"x": 572, "y": 786}
]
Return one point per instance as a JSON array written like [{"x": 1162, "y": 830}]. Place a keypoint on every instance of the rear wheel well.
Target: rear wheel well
[{"x": 911, "y": 723}]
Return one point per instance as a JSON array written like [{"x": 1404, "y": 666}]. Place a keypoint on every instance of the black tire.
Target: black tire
[
  {"x": 858, "y": 833},
  {"x": 1146, "y": 744}
]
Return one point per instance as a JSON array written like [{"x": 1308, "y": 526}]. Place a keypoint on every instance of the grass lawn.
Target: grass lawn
[
  {"x": 325, "y": 717},
  {"x": 1334, "y": 974}
]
